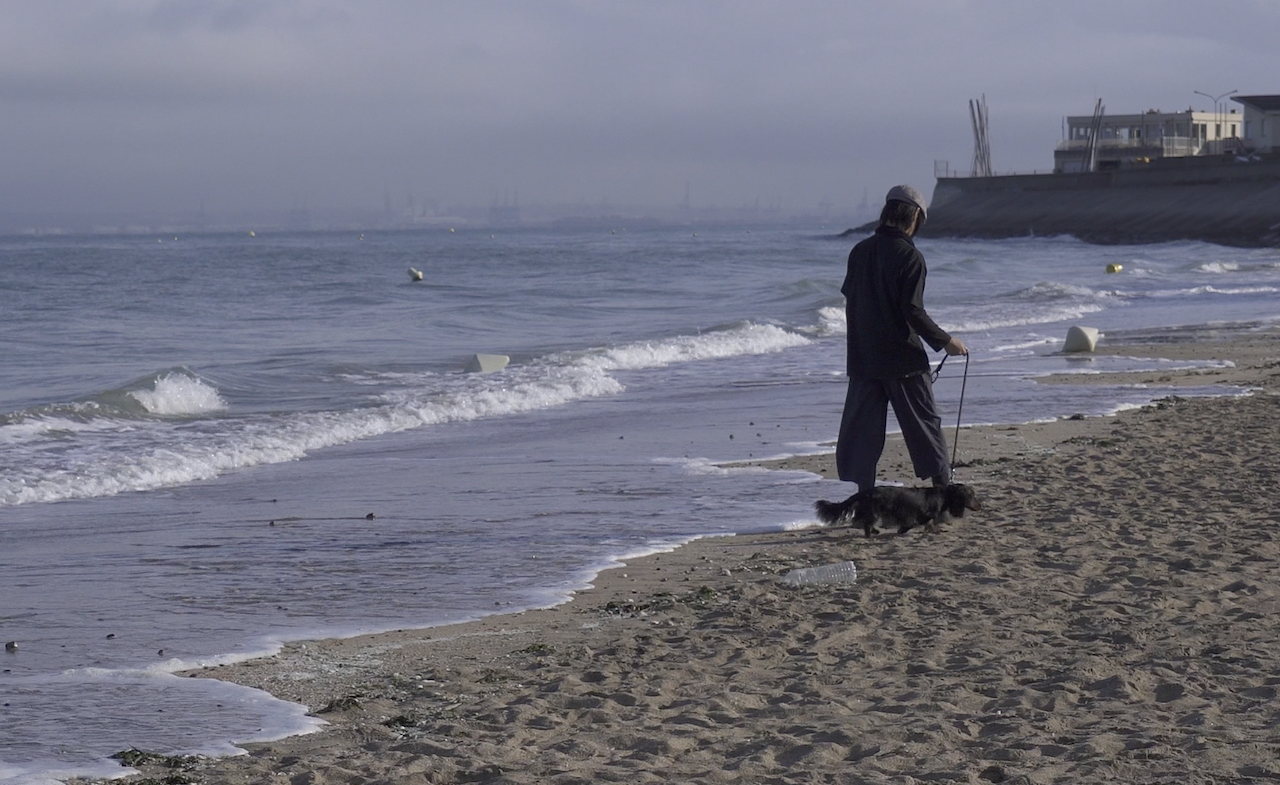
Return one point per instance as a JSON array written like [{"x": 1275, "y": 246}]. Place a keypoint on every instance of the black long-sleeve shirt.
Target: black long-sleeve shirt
[{"x": 884, "y": 306}]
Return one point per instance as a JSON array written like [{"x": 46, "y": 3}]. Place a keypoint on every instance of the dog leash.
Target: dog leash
[
  {"x": 938, "y": 371},
  {"x": 955, "y": 443}
]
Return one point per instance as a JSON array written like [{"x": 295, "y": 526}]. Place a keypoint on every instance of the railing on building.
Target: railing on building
[{"x": 1168, "y": 146}]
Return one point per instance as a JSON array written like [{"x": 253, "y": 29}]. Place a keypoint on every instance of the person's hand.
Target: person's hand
[{"x": 956, "y": 346}]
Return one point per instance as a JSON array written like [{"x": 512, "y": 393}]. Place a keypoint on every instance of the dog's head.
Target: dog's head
[{"x": 960, "y": 497}]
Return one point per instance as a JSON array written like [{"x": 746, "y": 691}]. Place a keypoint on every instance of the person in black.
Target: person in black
[{"x": 887, "y": 363}]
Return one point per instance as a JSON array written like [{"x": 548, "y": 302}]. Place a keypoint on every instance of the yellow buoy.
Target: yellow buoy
[{"x": 1114, "y": 268}]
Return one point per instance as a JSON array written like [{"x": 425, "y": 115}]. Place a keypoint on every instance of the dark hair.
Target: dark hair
[{"x": 899, "y": 215}]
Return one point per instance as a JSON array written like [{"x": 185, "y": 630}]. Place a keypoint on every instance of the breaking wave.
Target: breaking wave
[
  {"x": 101, "y": 448},
  {"x": 176, "y": 394}
]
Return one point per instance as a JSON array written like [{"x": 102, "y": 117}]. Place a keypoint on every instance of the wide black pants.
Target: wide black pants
[{"x": 866, "y": 413}]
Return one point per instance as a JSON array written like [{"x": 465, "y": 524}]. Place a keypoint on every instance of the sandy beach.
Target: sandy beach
[{"x": 1111, "y": 615}]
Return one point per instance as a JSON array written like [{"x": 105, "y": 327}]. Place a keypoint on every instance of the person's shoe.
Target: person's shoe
[{"x": 942, "y": 480}]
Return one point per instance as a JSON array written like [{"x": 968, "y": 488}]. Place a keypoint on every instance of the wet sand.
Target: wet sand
[{"x": 1113, "y": 614}]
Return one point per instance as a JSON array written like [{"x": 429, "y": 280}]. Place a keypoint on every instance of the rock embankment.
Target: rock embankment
[{"x": 1226, "y": 200}]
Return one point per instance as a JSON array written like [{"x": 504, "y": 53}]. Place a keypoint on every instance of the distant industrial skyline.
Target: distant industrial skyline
[{"x": 430, "y": 214}]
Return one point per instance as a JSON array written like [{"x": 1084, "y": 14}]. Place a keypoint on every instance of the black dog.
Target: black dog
[{"x": 907, "y": 507}]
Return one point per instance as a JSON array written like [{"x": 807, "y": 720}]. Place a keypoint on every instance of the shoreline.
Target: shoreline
[
  {"x": 1084, "y": 625},
  {"x": 1255, "y": 359}
]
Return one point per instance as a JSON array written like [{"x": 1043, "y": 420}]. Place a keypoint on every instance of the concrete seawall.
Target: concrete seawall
[{"x": 1220, "y": 200}]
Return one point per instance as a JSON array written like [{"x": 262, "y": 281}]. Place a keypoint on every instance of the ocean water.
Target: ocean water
[{"x": 194, "y": 431}]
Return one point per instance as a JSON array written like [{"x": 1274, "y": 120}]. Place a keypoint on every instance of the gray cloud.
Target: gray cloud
[{"x": 237, "y": 105}]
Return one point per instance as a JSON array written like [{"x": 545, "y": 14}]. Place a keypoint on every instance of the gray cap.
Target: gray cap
[{"x": 905, "y": 193}]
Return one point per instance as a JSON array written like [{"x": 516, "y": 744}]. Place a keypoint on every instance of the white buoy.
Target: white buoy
[
  {"x": 487, "y": 363},
  {"x": 1081, "y": 339},
  {"x": 415, "y": 275}
]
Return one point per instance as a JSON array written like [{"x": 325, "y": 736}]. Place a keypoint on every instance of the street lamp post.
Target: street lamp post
[{"x": 1218, "y": 119}]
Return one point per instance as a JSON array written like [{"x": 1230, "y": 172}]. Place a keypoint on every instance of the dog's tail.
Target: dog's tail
[{"x": 837, "y": 512}]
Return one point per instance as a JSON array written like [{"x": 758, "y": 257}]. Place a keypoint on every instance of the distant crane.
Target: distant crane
[
  {"x": 1090, "y": 161},
  {"x": 981, "y": 142}
]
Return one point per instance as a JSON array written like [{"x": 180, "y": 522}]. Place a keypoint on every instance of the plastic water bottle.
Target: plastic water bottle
[{"x": 840, "y": 572}]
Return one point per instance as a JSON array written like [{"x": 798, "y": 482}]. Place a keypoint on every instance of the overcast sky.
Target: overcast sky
[{"x": 162, "y": 105}]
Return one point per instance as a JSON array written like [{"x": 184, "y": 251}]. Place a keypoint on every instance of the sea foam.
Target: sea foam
[
  {"x": 1218, "y": 267},
  {"x": 741, "y": 340},
  {"x": 176, "y": 394}
]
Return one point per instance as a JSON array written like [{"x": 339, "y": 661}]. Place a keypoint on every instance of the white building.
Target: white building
[
  {"x": 1261, "y": 121},
  {"x": 1131, "y": 138}
]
